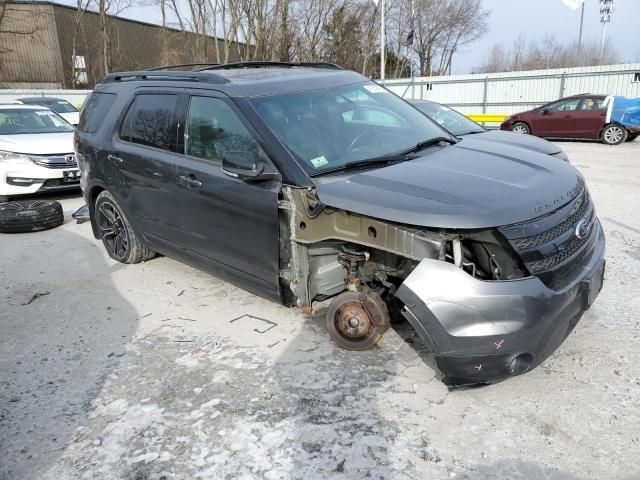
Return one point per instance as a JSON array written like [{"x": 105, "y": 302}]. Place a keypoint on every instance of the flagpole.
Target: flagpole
[
  {"x": 382, "y": 42},
  {"x": 580, "y": 36}
]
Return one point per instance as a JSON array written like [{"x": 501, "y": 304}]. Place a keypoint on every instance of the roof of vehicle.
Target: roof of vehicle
[
  {"x": 583, "y": 95},
  {"x": 248, "y": 78},
  {"x": 37, "y": 99},
  {"x": 18, "y": 106}
]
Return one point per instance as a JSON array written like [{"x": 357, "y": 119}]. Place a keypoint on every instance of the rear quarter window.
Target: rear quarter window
[{"x": 95, "y": 110}]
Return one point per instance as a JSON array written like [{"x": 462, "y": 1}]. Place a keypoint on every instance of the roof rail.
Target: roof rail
[
  {"x": 167, "y": 67},
  {"x": 261, "y": 64},
  {"x": 199, "y": 76}
]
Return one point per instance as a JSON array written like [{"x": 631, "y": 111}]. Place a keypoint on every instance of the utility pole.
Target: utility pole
[{"x": 606, "y": 10}]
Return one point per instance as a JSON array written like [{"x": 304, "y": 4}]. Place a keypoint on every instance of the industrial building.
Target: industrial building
[{"x": 37, "y": 39}]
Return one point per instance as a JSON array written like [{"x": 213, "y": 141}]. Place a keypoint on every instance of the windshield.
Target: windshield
[
  {"x": 14, "y": 122},
  {"x": 331, "y": 128},
  {"x": 58, "y": 106},
  {"x": 451, "y": 120}
]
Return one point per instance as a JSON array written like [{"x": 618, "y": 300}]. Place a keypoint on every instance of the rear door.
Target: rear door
[
  {"x": 556, "y": 120},
  {"x": 228, "y": 225},
  {"x": 142, "y": 162},
  {"x": 589, "y": 117}
]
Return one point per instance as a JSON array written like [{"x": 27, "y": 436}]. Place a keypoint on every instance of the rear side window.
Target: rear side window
[
  {"x": 95, "y": 110},
  {"x": 150, "y": 121}
]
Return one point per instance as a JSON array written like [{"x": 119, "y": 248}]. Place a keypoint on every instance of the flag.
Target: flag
[
  {"x": 411, "y": 34},
  {"x": 573, "y": 4}
]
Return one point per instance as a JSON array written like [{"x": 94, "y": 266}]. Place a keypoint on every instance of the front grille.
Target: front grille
[
  {"x": 56, "y": 161},
  {"x": 582, "y": 204},
  {"x": 549, "y": 246},
  {"x": 568, "y": 250}
]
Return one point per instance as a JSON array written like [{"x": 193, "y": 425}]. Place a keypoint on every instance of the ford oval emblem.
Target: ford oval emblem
[{"x": 583, "y": 227}]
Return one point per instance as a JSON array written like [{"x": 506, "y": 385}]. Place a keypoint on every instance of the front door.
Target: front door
[
  {"x": 556, "y": 119},
  {"x": 228, "y": 224}
]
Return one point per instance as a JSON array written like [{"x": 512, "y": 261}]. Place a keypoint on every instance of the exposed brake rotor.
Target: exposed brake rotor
[{"x": 357, "y": 320}]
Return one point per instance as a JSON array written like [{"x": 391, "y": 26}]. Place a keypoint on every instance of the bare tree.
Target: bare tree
[{"x": 544, "y": 54}]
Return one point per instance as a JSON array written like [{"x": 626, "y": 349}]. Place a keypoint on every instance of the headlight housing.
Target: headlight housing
[{"x": 14, "y": 158}]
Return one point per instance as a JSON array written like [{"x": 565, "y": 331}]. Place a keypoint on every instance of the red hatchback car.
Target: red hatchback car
[{"x": 579, "y": 116}]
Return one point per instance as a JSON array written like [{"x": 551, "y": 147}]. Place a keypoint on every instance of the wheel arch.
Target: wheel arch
[{"x": 91, "y": 202}]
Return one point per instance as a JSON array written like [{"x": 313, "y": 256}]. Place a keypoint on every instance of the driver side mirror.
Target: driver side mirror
[
  {"x": 242, "y": 165},
  {"x": 546, "y": 111}
]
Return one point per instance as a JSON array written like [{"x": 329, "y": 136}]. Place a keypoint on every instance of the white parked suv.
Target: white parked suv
[{"x": 36, "y": 151}]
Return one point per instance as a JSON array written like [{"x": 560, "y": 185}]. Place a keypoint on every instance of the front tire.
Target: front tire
[
  {"x": 632, "y": 137},
  {"x": 520, "y": 127},
  {"x": 118, "y": 237},
  {"x": 614, "y": 135}
]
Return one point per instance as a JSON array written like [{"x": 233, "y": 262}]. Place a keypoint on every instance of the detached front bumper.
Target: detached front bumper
[{"x": 483, "y": 331}]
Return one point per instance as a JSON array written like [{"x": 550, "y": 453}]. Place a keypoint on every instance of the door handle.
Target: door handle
[
  {"x": 115, "y": 159},
  {"x": 190, "y": 181}
]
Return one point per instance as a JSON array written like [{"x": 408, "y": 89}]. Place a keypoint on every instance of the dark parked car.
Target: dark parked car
[
  {"x": 580, "y": 116},
  {"x": 460, "y": 126},
  {"x": 306, "y": 182},
  {"x": 63, "y": 108}
]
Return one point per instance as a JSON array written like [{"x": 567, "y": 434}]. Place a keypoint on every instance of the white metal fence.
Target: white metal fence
[
  {"x": 76, "y": 97},
  {"x": 508, "y": 92},
  {"x": 513, "y": 92}
]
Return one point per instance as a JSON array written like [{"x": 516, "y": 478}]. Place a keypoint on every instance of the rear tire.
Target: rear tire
[
  {"x": 117, "y": 235},
  {"x": 30, "y": 216},
  {"x": 632, "y": 137},
  {"x": 614, "y": 134},
  {"x": 520, "y": 127}
]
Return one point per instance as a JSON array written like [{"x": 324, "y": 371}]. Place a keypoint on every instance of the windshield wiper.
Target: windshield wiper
[
  {"x": 388, "y": 159},
  {"x": 426, "y": 143},
  {"x": 361, "y": 163}
]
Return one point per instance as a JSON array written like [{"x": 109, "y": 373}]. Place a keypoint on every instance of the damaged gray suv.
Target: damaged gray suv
[{"x": 305, "y": 183}]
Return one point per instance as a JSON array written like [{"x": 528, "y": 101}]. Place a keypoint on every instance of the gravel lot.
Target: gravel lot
[{"x": 159, "y": 371}]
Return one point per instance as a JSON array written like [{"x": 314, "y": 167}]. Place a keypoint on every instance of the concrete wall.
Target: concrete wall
[
  {"x": 29, "y": 51},
  {"x": 42, "y": 57}
]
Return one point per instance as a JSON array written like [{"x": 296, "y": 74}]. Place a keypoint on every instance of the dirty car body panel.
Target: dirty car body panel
[{"x": 305, "y": 183}]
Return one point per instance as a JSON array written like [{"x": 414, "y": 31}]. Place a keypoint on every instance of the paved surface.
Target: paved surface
[{"x": 159, "y": 371}]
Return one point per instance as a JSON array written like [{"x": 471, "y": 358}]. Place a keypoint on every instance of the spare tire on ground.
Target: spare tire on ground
[{"x": 30, "y": 216}]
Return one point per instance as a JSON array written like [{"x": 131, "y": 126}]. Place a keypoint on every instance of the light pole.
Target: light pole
[
  {"x": 606, "y": 10},
  {"x": 382, "y": 42}
]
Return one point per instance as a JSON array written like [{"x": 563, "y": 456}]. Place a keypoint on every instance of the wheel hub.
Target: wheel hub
[
  {"x": 356, "y": 320},
  {"x": 353, "y": 321}
]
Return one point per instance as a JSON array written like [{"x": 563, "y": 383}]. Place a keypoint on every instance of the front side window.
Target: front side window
[
  {"x": 565, "y": 106},
  {"x": 150, "y": 121},
  {"x": 213, "y": 129},
  {"x": 330, "y": 128},
  {"x": 24, "y": 121}
]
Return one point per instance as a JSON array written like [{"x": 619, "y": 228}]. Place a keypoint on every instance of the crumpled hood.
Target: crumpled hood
[
  {"x": 467, "y": 185},
  {"x": 38, "y": 143},
  {"x": 529, "y": 142}
]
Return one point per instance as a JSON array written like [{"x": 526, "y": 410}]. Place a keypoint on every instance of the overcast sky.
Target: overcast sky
[{"x": 535, "y": 18}]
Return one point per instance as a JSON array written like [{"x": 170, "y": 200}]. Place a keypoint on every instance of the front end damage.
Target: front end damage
[{"x": 471, "y": 294}]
